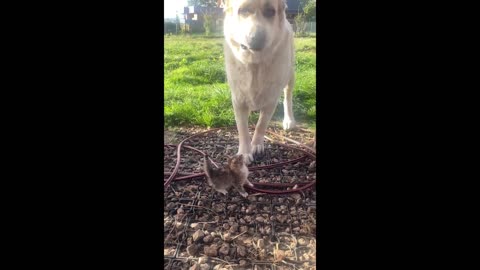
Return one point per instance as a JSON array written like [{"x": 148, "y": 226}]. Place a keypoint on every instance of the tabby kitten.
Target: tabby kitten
[{"x": 234, "y": 174}]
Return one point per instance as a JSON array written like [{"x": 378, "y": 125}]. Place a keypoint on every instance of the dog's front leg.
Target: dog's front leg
[
  {"x": 288, "y": 119},
  {"x": 241, "y": 118},
  {"x": 258, "y": 137}
]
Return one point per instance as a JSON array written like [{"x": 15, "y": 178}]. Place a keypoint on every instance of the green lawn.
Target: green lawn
[{"x": 196, "y": 91}]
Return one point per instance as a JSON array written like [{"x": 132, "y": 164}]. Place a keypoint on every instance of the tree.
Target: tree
[
  {"x": 307, "y": 15},
  {"x": 309, "y": 9},
  {"x": 301, "y": 25},
  {"x": 207, "y": 4},
  {"x": 203, "y": 3},
  {"x": 177, "y": 23},
  {"x": 208, "y": 23},
  {"x": 208, "y": 18},
  {"x": 193, "y": 2}
]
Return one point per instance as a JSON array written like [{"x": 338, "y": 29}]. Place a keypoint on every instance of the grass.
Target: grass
[{"x": 196, "y": 91}]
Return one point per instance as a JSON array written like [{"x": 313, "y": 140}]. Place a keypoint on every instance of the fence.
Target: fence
[
  {"x": 169, "y": 27},
  {"x": 311, "y": 27}
]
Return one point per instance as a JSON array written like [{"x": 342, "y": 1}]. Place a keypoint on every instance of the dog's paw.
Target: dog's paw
[
  {"x": 258, "y": 149},
  {"x": 244, "y": 194},
  {"x": 288, "y": 124},
  {"x": 247, "y": 158}
]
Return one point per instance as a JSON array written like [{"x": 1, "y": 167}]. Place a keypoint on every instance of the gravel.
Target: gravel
[{"x": 204, "y": 229}]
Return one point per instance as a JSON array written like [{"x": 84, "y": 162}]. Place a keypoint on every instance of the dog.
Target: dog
[{"x": 259, "y": 61}]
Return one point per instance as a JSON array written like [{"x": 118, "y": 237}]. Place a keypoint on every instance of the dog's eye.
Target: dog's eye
[
  {"x": 269, "y": 12},
  {"x": 244, "y": 11}
]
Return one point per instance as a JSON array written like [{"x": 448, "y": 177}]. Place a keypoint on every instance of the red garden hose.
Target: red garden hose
[{"x": 302, "y": 185}]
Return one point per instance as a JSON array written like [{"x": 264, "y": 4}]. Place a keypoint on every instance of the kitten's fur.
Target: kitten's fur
[{"x": 234, "y": 174}]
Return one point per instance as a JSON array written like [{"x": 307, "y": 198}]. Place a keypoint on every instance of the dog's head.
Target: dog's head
[{"x": 252, "y": 26}]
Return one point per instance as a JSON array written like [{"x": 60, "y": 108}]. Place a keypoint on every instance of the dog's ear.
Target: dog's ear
[
  {"x": 282, "y": 6},
  {"x": 226, "y": 5}
]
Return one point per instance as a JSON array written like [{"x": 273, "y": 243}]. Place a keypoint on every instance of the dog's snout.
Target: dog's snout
[{"x": 256, "y": 40}]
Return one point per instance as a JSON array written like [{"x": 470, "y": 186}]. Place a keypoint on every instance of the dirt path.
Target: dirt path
[
  {"x": 301, "y": 134},
  {"x": 204, "y": 229}
]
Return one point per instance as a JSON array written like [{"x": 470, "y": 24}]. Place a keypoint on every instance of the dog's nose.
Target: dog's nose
[{"x": 256, "y": 40}]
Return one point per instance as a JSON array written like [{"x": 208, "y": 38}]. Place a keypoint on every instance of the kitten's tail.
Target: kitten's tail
[{"x": 207, "y": 166}]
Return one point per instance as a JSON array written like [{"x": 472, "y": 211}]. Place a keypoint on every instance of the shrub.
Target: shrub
[
  {"x": 208, "y": 24},
  {"x": 301, "y": 25}
]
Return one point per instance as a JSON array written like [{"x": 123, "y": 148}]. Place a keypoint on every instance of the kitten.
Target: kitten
[{"x": 234, "y": 174}]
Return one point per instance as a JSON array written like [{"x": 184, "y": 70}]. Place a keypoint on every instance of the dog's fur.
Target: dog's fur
[{"x": 259, "y": 59}]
